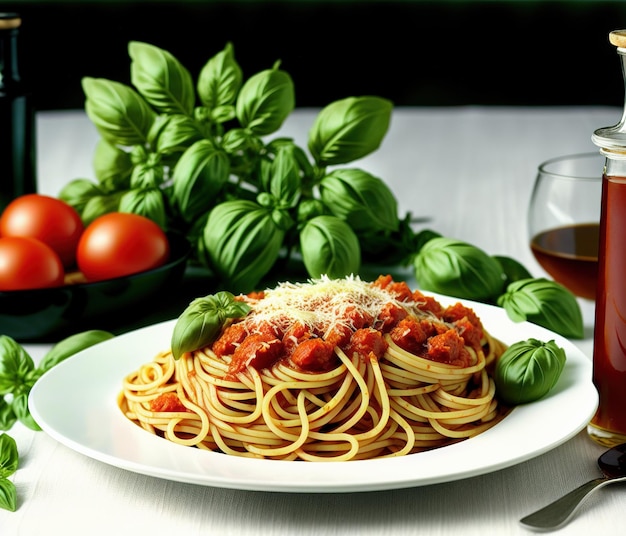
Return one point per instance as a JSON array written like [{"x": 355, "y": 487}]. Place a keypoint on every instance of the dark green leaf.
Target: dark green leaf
[
  {"x": 15, "y": 364},
  {"x": 72, "y": 345},
  {"x": 512, "y": 270},
  {"x": 175, "y": 134},
  {"x": 528, "y": 370},
  {"x": 20, "y": 408},
  {"x": 201, "y": 322},
  {"x": 148, "y": 202},
  {"x": 8, "y": 495},
  {"x": 349, "y": 129},
  {"x": 329, "y": 247},
  {"x": 99, "y": 205},
  {"x": 455, "y": 268},
  {"x": 7, "y": 416},
  {"x": 365, "y": 202},
  {"x": 265, "y": 101},
  {"x": 220, "y": 80},
  {"x": 241, "y": 243},
  {"x": 199, "y": 176},
  {"x": 309, "y": 209},
  {"x": 424, "y": 236},
  {"x": 112, "y": 166},
  {"x": 148, "y": 174},
  {"x": 161, "y": 79},
  {"x": 9, "y": 458},
  {"x": 119, "y": 113},
  {"x": 545, "y": 303},
  {"x": 284, "y": 177},
  {"x": 78, "y": 192}
]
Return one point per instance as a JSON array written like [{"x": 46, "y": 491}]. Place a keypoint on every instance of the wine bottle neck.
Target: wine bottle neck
[{"x": 9, "y": 68}]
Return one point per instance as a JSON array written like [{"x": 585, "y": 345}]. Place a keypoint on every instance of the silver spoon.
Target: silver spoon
[{"x": 613, "y": 466}]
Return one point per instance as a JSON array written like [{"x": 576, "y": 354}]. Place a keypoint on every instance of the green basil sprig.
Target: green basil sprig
[
  {"x": 9, "y": 460},
  {"x": 201, "y": 322},
  {"x": 456, "y": 268},
  {"x": 176, "y": 152},
  {"x": 18, "y": 374},
  {"x": 545, "y": 303},
  {"x": 528, "y": 370}
]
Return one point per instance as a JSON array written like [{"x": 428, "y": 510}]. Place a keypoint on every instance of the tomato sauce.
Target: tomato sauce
[
  {"x": 441, "y": 334},
  {"x": 609, "y": 359},
  {"x": 168, "y": 402}
]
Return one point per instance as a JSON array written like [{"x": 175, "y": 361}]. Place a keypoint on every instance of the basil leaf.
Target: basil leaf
[
  {"x": 424, "y": 236},
  {"x": 22, "y": 412},
  {"x": 528, "y": 370},
  {"x": 161, "y": 79},
  {"x": 175, "y": 134},
  {"x": 329, "y": 247},
  {"x": 455, "y": 268},
  {"x": 7, "y": 416},
  {"x": 201, "y": 322},
  {"x": 199, "y": 176},
  {"x": 119, "y": 113},
  {"x": 148, "y": 174},
  {"x": 78, "y": 192},
  {"x": 265, "y": 101},
  {"x": 365, "y": 202},
  {"x": 283, "y": 177},
  {"x": 512, "y": 269},
  {"x": 148, "y": 202},
  {"x": 15, "y": 364},
  {"x": 219, "y": 80},
  {"x": 9, "y": 457},
  {"x": 8, "y": 495},
  {"x": 72, "y": 345},
  {"x": 99, "y": 205},
  {"x": 309, "y": 209},
  {"x": 238, "y": 141},
  {"x": 545, "y": 303},
  {"x": 349, "y": 129},
  {"x": 112, "y": 166},
  {"x": 241, "y": 243}
]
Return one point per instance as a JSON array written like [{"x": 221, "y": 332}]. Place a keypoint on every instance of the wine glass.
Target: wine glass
[{"x": 564, "y": 220}]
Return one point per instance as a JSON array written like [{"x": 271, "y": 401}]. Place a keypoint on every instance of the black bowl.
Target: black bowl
[{"x": 50, "y": 313}]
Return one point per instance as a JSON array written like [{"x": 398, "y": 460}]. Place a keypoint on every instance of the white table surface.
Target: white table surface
[{"x": 471, "y": 171}]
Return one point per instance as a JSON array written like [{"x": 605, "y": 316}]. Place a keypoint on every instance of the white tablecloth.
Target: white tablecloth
[{"x": 470, "y": 170}]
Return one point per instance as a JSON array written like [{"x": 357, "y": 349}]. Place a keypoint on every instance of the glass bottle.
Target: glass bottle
[
  {"x": 608, "y": 426},
  {"x": 17, "y": 119}
]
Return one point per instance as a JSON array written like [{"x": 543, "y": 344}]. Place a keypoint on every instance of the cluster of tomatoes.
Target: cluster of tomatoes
[{"x": 43, "y": 243}]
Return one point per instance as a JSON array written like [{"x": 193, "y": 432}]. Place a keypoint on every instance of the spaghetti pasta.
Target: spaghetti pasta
[{"x": 329, "y": 370}]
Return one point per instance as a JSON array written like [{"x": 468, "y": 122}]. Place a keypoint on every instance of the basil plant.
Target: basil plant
[{"x": 196, "y": 156}]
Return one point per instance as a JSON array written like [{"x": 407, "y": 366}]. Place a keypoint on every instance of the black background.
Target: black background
[{"x": 415, "y": 53}]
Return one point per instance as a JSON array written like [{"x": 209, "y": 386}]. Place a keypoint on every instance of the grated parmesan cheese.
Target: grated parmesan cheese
[{"x": 321, "y": 304}]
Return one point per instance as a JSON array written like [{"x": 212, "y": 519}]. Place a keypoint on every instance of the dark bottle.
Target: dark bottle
[{"x": 17, "y": 119}]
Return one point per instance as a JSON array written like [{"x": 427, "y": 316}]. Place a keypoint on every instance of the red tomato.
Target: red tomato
[
  {"x": 27, "y": 263},
  {"x": 119, "y": 244},
  {"x": 48, "y": 219}
]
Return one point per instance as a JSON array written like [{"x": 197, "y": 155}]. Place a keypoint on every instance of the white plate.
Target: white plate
[{"x": 75, "y": 403}]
